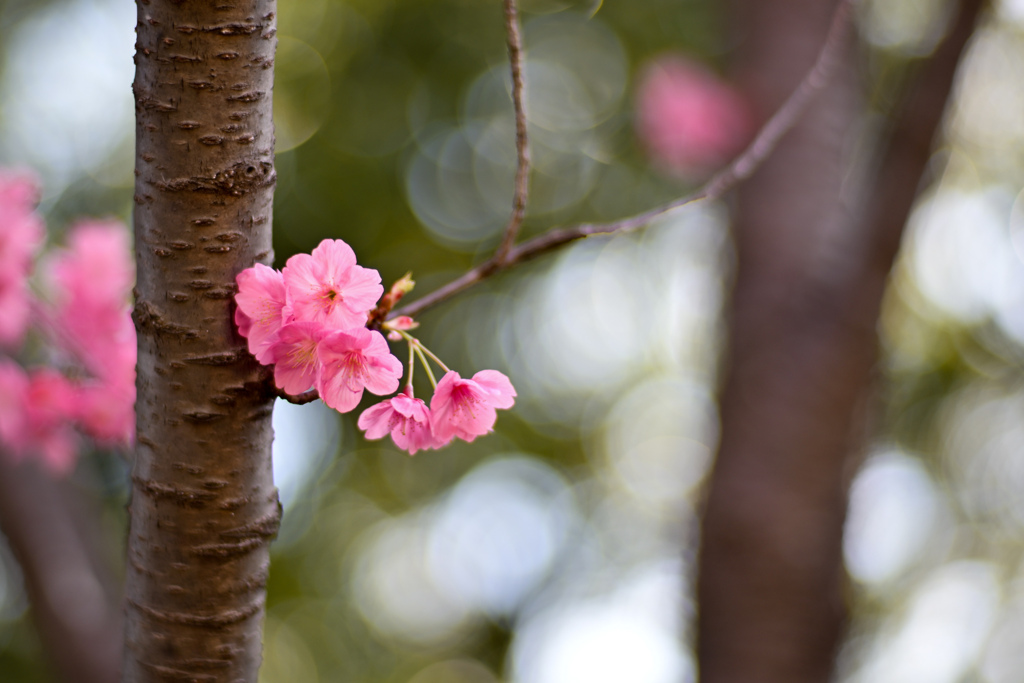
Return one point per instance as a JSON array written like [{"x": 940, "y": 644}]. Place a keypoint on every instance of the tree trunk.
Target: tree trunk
[
  {"x": 204, "y": 506},
  {"x": 813, "y": 255}
]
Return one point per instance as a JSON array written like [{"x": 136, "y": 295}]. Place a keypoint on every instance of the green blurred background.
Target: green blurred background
[{"x": 560, "y": 548}]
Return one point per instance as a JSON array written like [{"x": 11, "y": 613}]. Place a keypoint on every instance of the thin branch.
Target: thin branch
[
  {"x": 522, "y": 183},
  {"x": 298, "y": 399},
  {"x": 739, "y": 170}
]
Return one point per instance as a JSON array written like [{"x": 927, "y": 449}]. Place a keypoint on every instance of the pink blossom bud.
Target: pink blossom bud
[{"x": 402, "y": 322}]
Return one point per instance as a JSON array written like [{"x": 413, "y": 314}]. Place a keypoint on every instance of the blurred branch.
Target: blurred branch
[
  {"x": 740, "y": 169},
  {"x": 69, "y": 586},
  {"x": 812, "y": 265},
  {"x": 522, "y": 182}
]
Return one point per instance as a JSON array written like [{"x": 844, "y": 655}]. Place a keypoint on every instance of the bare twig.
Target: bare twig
[
  {"x": 522, "y": 183},
  {"x": 740, "y": 169}
]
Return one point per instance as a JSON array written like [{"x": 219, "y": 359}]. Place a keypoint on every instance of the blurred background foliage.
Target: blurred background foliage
[{"x": 560, "y": 548}]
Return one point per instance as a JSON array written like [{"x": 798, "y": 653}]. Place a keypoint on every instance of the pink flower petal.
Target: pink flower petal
[
  {"x": 351, "y": 360},
  {"x": 333, "y": 259},
  {"x": 261, "y": 298},
  {"x": 377, "y": 420},
  {"x": 327, "y": 286},
  {"x": 502, "y": 391},
  {"x": 405, "y": 417},
  {"x": 293, "y": 352},
  {"x": 462, "y": 408}
]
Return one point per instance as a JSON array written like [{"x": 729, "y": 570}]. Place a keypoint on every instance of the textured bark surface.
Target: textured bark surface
[
  {"x": 204, "y": 506},
  {"x": 812, "y": 266}
]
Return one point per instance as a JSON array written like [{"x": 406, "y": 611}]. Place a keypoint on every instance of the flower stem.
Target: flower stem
[
  {"x": 426, "y": 365},
  {"x": 423, "y": 349},
  {"x": 412, "y": 365}
]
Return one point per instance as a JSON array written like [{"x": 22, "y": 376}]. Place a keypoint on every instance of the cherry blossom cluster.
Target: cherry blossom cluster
[
  {"x": 309, "y": 321},
  {"x": 81, "y": 325}
]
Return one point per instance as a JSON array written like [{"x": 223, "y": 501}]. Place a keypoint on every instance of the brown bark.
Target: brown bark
[
  {"x": 74, "y": 604},
  {"x": 203, "y": 507},
  {"x": 811, "y": 270}
]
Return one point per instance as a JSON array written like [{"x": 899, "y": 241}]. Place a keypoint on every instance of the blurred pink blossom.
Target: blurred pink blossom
[
  {"x": 92, "y": 279},
  {"x": 688, "y": 119},
  {"x": 406, "y": 418},
  {"x": 21, "y": 233},
  {"x": 466, "y": 407},
  {"x": 49, "y": 409},
  {"x": 35, "y": 416},
  {"x": 90, "y": 282},
  {"x": 105, "y": 410}
]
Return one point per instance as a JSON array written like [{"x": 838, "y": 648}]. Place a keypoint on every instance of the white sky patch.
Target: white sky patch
[
  {"x": 893, "y": 504},
  {"x": 629, "y": 635},
  {"x": 484, "y": 548},
  {"x": 961, "y": 254},
  {"x": 305, "y": 437},
  {"x": 497, "y": 535},
  {"x": 944, "y": 627},
  {"x": 66, "y": 92}
]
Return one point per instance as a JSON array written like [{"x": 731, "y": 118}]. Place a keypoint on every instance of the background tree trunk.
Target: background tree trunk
[
  {"x": 204, "y": 506},
  {"x": 814, "y": 252},
  {"x": 54, "y": 533}
]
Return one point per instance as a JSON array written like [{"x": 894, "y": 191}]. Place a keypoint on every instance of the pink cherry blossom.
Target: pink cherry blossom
[
  {"x": 466, "y": 408},
  {"x": 406, "y": 418},
  {"x": 293, "y": 352},
  {"x": 19, "y": 189},
  {"x": 49, "y": 408},
  {"x": 327, "y": 286},
  {"x": 15, "y": 310},
  {"x": 97, "y": 264},
  {"x": 39, "y": 424},
  {"x": 261, "y": 307},
  {"x": 351, "y": 360},
  {"x": 21, "y": 233},
  {"x": 106, "y": 411},
  {"x": 687, "y": 118},
  {"x": 91, "y": 280}
]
